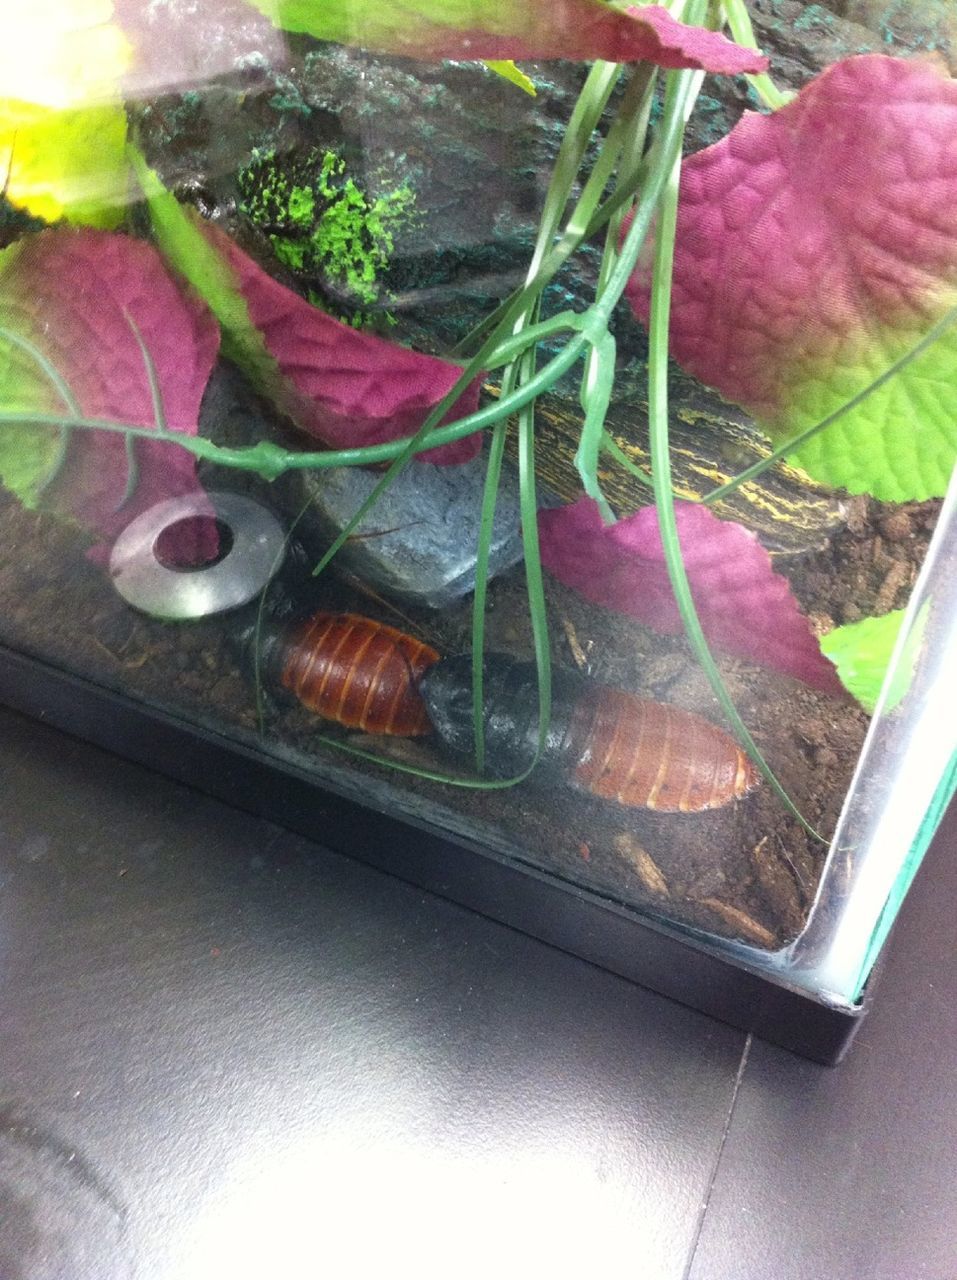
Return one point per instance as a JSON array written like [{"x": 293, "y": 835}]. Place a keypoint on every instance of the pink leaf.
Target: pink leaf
[
  {"x": 815, "y": 247},
  {"x": 72, "y": 294},
  {"x": 580, "y": 30},
  {"x": 674, "y": 45},
  {"x": 353, "y": 388},
  {"x": 744, "y": 606}
]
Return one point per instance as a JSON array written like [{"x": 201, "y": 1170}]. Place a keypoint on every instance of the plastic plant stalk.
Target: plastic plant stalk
[
  {"x": 739, "y": 20},
  {"x": 588, "y": 111},
  {"x": 586, "y": 114},
  {"x": 585, "y": 117},
  {"x": 661, "y": 473},
  {"x": 597, "y": 388},
  {"x": 598, "y": 380},
  {"x": 583, "y": 222},
  {"x": 612, "y": 447},
  {"x": 534, "y": 583},
  {"x": 270, "y": 461},
  {"x": 493, "y": 474}
]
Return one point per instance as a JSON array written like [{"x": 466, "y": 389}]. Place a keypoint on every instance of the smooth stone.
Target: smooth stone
[{"x": 418, "y": 543}]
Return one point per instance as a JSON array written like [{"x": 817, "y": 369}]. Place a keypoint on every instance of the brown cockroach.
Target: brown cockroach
[
  {"x": 358, "y": 672},
  {"x": 607, "y": 742}
]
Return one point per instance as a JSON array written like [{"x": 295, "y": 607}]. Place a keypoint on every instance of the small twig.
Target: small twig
[
  {"x": 741, "y": 922},
  {"x": 574, "y": 645}
]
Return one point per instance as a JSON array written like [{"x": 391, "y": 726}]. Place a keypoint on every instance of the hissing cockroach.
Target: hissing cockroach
[
  {"x": 354, "y": 670},
  {"x": 605, "y": 741}
]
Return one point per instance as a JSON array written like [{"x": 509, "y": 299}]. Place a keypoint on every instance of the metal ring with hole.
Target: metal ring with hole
[{"x": 257, "y": 551}]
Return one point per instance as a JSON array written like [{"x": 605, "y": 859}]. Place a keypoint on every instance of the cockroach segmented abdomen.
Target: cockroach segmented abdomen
[
  {"x": 606, "y": 742},
  {"x": 650, "y": 755},
  {"x": 358, "y": 672}
]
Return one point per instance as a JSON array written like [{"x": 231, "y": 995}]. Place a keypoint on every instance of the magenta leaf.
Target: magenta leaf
[
  {"x": 72, "y": 295},
  {"x": 744, "y": 606},
  {"x": 353, "y": 388},
  {"x": 815, "y": 248},
  {"x": 580, "y": 30},
  {"x": 675, "y": 46}
]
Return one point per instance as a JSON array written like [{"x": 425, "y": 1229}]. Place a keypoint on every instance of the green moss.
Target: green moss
[
  {"x": 321, "y": 223},
  {"x": 302, "y": 207}
]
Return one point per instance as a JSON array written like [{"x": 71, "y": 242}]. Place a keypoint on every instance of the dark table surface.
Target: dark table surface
[{"x": 227, "y": 1053}]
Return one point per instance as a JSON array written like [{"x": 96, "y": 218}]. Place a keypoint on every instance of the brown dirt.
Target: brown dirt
[{"x": 746, "y": 871}]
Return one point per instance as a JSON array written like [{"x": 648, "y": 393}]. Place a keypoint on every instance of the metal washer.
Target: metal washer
[{"x": 178, "y": 595}]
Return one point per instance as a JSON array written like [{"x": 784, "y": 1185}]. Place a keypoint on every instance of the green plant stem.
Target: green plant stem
[
  {"x": 599, "y": 376},
  {"x": 588, "y": 111},
  {"x": 739, "y": 20},
  {"x": 597, "y": 387},
  {"x": 271, "y": 461},
  {"x": 535, "y": 587},
  {"x": 595, "y": 321},
  {"x": 627, "y": 131},
  {"x": 628, "y": 128},
  {"x": 586, "y": 114},
  {"x": 667, "y": 158},
  {"x": 585, "y": 117},
  {"x": 493, "y": 475},
  {"x": 611, "y": 446},
  {"x": 469, "y": 783},
  {"x": 510, "y": 348},
  {"x": 661, "y": 472},
  {"x": 782, "y": 451}
]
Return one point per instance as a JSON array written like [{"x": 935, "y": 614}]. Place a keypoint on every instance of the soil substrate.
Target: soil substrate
[{"x": 746, "y": 871}]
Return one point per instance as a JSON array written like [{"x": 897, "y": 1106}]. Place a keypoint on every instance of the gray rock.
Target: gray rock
[{"x": 418, "y": 543}]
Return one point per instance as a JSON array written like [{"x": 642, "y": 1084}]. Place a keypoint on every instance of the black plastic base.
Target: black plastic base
[{"x": 582, "y": 923}]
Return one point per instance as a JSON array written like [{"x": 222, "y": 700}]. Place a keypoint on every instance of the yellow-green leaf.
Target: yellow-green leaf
[
  {"x": 509, "y": 71},
  {"x": 862, "y": 651},
  {"x": 188, "y": 251},
  {"x": 62, "y": 122},
  {"x": 473, "y": 30},
  {"x": 65, "y": 163}
]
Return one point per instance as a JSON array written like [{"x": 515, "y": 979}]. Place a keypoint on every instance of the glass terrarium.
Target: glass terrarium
[{"x": 509, "y": 441}]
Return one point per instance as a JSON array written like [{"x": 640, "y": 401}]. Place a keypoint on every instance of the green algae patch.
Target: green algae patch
[{"x": 322, "y": 225}]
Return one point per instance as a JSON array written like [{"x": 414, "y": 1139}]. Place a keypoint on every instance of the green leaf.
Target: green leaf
[
  {"x": 862, "y": 651},
  {"x": 28, "y": 454},
  {"x": 62, "y": 122},
  {"x": 472, "y": 30},
  {"x": 182, "y": 243},
  {"x": 508, "y": 71},
  {"x": 65, "y": 164},
  {"x": 817, "y": 251}
]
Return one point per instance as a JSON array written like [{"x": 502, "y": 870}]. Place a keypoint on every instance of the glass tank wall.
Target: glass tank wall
[{"x": 536, "y": 426}]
